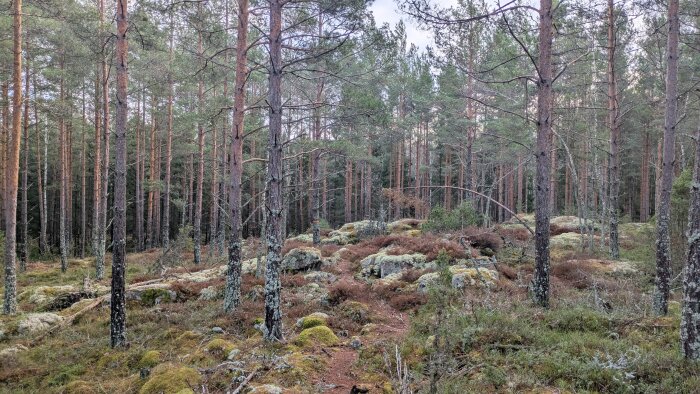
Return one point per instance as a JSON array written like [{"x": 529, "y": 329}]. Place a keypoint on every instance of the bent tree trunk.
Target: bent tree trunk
[
  {"x": 118, "y": 306},
  {"x": 663, "y": 237},
  {"x": 540, "y": 281},
  {"x": 273, "y": 191}
]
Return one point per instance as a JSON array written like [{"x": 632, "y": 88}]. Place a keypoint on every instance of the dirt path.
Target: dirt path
[{"x": 342, "y": 371}]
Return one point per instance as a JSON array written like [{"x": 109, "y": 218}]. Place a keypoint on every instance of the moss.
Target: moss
[
  {"x": 149, "y": 359},
  {"x": 169, "y": 378},
  {"x": 150, "y": 296},
  {"x": 188, "y": 336},
  {"x": 79, "y": 387},
  {"x": 66, "y": 374},
  {"x": 116, "y": 360},
  {"x": 355, "y": 311},
  {"x": 312, "y": 321},
  {"x": 319, "y": 335},
  {"x": 220, "y": 347}
]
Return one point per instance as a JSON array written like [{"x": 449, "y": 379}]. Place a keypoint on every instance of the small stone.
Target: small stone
[
  {"x": 266, "y": 389},
  {"x": 209, "y": 293},
  {"x": 233, "y": 354},
  {"x": 217, "y": 330},
  {"x": 355, "y": 343}
]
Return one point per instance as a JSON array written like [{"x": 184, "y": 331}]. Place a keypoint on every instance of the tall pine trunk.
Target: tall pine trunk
[
  {"x": 200, "y": 145},
  {"x": 232, "y": 295},
  {"x": 273, "y": 191},
  {"x": 24, "y": 247},
  {"x": 613, "y": 124},
  {"x": 168, "y": 143},
  {"x": 543, "y": 149},
  {"x": 663, "y": 238},
  {"x": 12, "y": 167},
  {"x": 118, "y": 304}
]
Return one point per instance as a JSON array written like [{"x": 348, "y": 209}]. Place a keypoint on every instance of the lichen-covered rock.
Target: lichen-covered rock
[
  {"x": 12, "y": 350},
  {"x": 302, "y": 259},
  {"x": 44, "y": 294},
  {"x": 318, "y": 335},
  {"x": 266, "y": 389},
  {"x": 461, "y": 277},
  {"x": 320, "y": 277},
  {"x": 382, "y": 265},
  {"x": 170, "y": 378},
  {"x": 410, "y": 227},
  {"x": 311, "y": 292},
  {"x": 355, "y": 311},
  {"x": 35, "y": 322},
  {"x": 307, "y": 238},
  {"x": 613, "y": 267},
  {"x": 152, "y": 295},
  {"x": 209, "y": 293}
]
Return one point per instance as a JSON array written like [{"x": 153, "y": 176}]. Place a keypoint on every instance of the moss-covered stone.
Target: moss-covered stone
[
  {"x": 170, "y": 378},
  {"x": 319, "y": 335},
  {"x": 150, "y": 359},
  {"x": 150, "y": 297},
  {"x": 220, "y": 348},
  {"x": 79, "y": 387},
  {"x": 355, "y": 311},
  {"x": 312, "y": 321}
]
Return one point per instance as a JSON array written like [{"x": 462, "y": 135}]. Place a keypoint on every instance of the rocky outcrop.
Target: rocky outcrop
[
  {"x": 35, "y": 322},
  {"x": 462, "y": 277},
  {"x": 302, "y": 259},
  {"x": 381, "y": 265}
]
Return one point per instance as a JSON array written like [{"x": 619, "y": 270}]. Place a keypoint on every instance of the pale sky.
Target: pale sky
[{"x": 387, "y": 11}]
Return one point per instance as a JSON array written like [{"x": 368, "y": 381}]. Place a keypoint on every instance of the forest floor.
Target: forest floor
[{"x": 359, "y": 315}]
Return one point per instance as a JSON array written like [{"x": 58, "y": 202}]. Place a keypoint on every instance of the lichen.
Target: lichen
[
  {"x": 319, "y": 335},
  {"x": 150, "y": 297}
]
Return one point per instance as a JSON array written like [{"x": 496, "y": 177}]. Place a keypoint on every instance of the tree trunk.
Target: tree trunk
[
  {"x": 214, "y": 208},
  {"x": 690, "y": 314},
  {"x": 232, "y": 293},
  {"x": 613, "y": 123},
  {"x": 273, "y": 191},
  {"x": 83, "y": 184},
  {"x": 540, "y": 281},
  {"x": 644, "y": 184},
  {"x": 43, "y": 244},
  {"x": 12, "y": 167},
  {"x": 97, "y": 177},
  {"x": 200, "y": 144},
  {"x": 168, "y": 144},
  {"x": 118, "y": 305},
  {"x": 24, "y": 247},
  {"x": 63, "y": 172},
  {"x": 663, "y": 238},
  {"x": 139, "y": 180}
]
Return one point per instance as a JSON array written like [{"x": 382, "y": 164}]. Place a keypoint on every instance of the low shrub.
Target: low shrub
[
  {"x": 482, "y": 238},
  {"x": 407, "y": 301},
  {"x": 464, "y": 215},
  {"x": 346, "y": 290}
]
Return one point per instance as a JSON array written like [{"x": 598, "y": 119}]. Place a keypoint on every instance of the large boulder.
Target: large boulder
[
  {"x": 302, "y": 259},
  {"x": 35, "y": 322},
  {"x": 408, "y": 227},
  {"x": 351, "y": 232},
  {"x": 462, "y": 277},
  {"x": 44, "y": 294},
  {"x": 382, "y": 265}
]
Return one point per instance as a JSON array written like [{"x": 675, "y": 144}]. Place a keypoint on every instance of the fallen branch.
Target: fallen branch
[{"x": 245, "y": 382}]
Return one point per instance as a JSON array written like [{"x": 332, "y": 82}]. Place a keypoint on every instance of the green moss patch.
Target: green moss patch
[
  {"x": 319, "y": 335},
  {"x": 169, "y": 378}
]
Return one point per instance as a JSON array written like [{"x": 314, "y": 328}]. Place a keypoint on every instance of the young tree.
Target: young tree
[
  {"x": 614, "y": 125},
  {"x": 118, "y": 300},
  {"x": 663, "y": 238}
]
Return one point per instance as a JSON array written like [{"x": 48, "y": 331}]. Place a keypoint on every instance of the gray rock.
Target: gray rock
[
  {"x": 382, "y": 265},
  {"x": 35, "y": 322},
  {"x": 217, "y": 330},
  {"x": 12, "y": 350},
  {"x": 355, "y": 343},
  {"x": 209, "y": 293},
  {"x": 302, "y": 259},
  {"x": 320, "y": 277},
  {"x": 266, "y": 389},
  {"x": 233, "y": 354}
]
